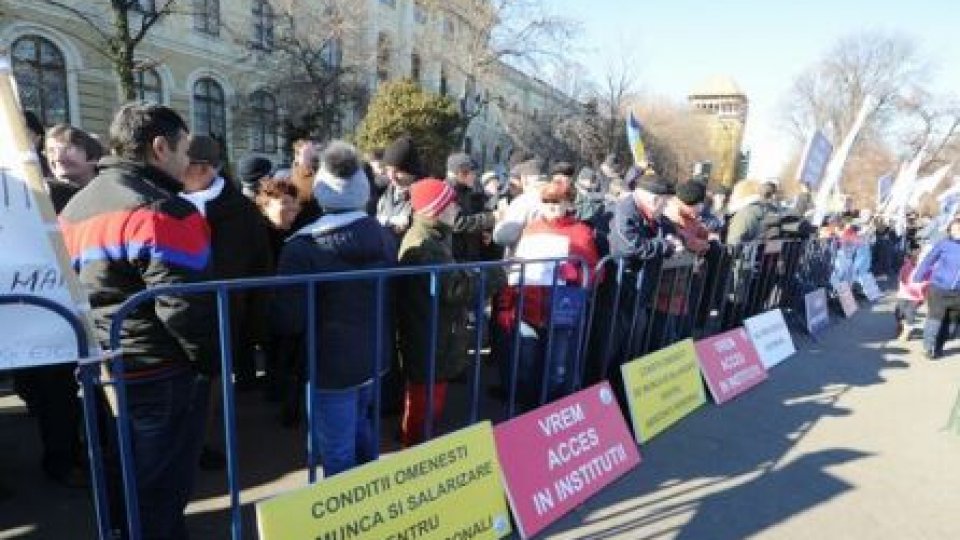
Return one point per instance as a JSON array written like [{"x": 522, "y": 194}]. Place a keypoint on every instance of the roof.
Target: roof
[{"x": 718, "y": 85}]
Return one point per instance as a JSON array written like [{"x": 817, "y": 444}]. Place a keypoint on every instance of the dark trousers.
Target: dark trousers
[
  {"x": 939, "y": 301},
  {"x": 167, "y": 419},
  {"x": 51, "y": 396}
]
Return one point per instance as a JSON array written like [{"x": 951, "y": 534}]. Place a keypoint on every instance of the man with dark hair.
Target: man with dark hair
[
  {"x": 72, "y": 154},
  {"x": 126, "y": 232}
]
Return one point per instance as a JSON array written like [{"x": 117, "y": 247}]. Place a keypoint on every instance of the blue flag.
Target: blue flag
[{"x": 635, "y": 139}]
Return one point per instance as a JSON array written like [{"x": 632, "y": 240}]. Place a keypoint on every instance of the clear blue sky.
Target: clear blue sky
[{"x": 762, "y": 44}]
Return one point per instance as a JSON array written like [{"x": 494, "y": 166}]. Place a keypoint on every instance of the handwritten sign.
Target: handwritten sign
[
  {"x": 770, "y": 336},
  {"x": 815, "y": 307},
  {"x": 446, "y": 488},
  {"x": 557, "y": 456},
  {"x": 870, "y": 288},
  {"x": 847, "y": 301},
  {"x": 29, "y": 264},
  {"x": 663, "y": 387},
  {"x": 730, "y": 364}
]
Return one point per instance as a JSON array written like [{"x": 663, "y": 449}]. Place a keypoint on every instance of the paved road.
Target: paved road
[{"x": 844, "y": 441}]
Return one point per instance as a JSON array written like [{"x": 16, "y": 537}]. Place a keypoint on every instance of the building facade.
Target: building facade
[
  {"x": 215, "y": 63},
  {"x": 723, "y": 107}
]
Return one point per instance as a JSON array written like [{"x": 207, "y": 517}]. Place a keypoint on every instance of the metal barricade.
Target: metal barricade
[{"x": 382, "y": 280}]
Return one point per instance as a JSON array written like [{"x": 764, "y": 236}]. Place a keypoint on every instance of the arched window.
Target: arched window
[
  {"x": 263, "y": 109},
  {"x": 209, "y": 108},
  {"x": 383, "y": 57},
  {"x": 41, "y": 75},
  {"x": 262, "y": 25},
  {"x": 149, "y": 87},
  {"x": 496, "y": 154}
]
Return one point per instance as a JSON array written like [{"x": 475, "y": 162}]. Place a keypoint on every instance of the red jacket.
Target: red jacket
[
  {"x": 536, "y": 299},
  {"x": 695, "y": 236}
]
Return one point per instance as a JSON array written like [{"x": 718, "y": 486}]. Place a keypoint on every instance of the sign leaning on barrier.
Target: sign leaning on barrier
[
  {"x": 663, "y": 387},
  {"x": 870, "y": 288},
  {"x": 730, "y": 364},
  {"x": 33, "y": 260},
  {"x": 449, "y": 487},
  {"x": 847, "y": 301},
  {"x": 815, "y": 307},
  {"x": 557, "y": 456},
  {"x": 770, "y": 337}
]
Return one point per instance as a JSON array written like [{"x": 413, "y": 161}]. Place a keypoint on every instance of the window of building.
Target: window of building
[
  {"x": 443, "y": 81},
  {"x": 209, "y": 108},
  {"x": 41, "y": 76},
  {"x": 262, "y": 25},
  {"x": 332, "y": 53},
  {"x": 419, "y": 12},
  {"x": 263, "y": 125},
  {"x": 391, "y": 3},
  {"x": 496, "y": 154},
  {"x": 145, "y": 6},
  {"x": 383, "y": 57},
  {"x": 206, "y": 16},
  {"x": 148, "y": 85},
  {"x": 415, "y": 66},
  {"x": 468, "y": 145}
]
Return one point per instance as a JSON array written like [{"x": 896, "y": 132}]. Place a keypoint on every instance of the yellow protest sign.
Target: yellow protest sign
[
  {"x": 448, "y": 488},
  {"x": 663, "y": 387}
]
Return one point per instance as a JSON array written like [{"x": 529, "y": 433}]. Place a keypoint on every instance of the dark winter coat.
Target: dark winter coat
[
  {"x": 635, "y": 234},
  {"x": 429, "y": 242},
  {"x": 472, "y": 221},
  {"x": 346, "y": 310},
  {"x": 128, "y": 231}
]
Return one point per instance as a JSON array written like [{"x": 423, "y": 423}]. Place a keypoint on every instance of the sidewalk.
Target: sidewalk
[{"x": 843, "y": 441}]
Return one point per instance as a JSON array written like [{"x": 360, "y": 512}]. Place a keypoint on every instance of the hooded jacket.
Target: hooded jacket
[
  {"x": 346, "y": 310},
  {"x": 128, "y": 231}
]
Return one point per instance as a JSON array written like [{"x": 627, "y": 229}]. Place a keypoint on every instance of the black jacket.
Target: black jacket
[
  {"x": 346, "y": 310},
  {"x": 128, "y": 231},
  {"x": 474, "y": 218}
]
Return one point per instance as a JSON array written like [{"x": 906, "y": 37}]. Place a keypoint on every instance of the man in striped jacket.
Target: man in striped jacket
[{"x": 127, "y": 231}]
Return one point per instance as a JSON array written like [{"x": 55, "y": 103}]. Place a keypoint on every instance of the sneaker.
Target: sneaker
[{"x": 930, "y": 353}]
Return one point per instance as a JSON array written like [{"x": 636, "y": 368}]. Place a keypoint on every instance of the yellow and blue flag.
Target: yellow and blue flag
[{"x": 635, "y": 139}]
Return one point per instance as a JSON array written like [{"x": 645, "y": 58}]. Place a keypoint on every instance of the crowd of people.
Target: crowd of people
[{"x": 156, "y": 207}]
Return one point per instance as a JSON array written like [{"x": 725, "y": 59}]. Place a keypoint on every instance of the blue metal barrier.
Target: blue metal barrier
[
  {"x": 222, "y": 289},
  {"x": 87, "y": 376}
]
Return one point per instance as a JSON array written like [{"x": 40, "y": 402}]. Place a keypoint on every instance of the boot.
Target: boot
[{"x": 930, "y": 331}]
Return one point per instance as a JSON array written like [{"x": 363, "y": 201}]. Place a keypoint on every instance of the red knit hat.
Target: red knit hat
[{"x": 430, "y": 197}]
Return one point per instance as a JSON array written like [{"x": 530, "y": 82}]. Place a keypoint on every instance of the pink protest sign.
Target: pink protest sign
[
  {"x": 730, "y": 364},
  {"x": 555, "y": 457}
]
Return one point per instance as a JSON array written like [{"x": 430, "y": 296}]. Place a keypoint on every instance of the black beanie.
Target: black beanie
[
  {"x": 655, "y": 184},
  {"x": 563, "y": 168},
  {"x": 402, "y": 154},
  {"x": 692, "y": 192},
  {"x": 253, "y": 168}
]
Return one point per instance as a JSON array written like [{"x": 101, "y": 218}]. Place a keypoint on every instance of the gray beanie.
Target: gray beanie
[{"x": 340, "y": 183}]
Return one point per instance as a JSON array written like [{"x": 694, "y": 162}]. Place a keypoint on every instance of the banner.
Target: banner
[
  {"x": 902, "y": 186},
  {"x": 663, "y": 387},
  {"x": 815, "y": 308},
  {"x": 835, "y": 168},
  {"x": 555, "y": 457},
  {"x": 816, "y": 156},
  {"x": 770, "y": 337},
  {"x": 730, "y": 364},
  {"x": 635, "y": 140},
  {"x": 445, "y": 488},
  {"x": 884, "y": 187},
  {"x": 33, "y": 260}
]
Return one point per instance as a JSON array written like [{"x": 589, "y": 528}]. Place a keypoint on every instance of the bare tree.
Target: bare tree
[{"x": 117, "y": 28}]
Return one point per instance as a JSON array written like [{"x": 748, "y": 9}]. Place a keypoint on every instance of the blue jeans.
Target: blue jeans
[
  {"x": 167, "y": 419},
  {"x": 343, "y": 428}
]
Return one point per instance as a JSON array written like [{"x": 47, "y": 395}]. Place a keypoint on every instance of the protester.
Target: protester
[
  {"x": 379, "y": 179},
  {"x": 72, "y": 155},
  {"x": 943, "y": 265},
  {"x": 523, "y": 209},
  {"x": 305, "y": 152},
  {"x": 565, "y": 237},
  {"x": 910, "y": 295},
  {"x": 589, "y": 205},
  {"x": 240, "y": 248},
  {"x": 429, "y": 241},
  {"x": 128, "y": 231},
  {"x": 344, "y": 239},
  {"x": 474, "y": 224},
  {"x": 752, "y": 213},
  {"x": 279, "y": 205},
  {"x": 402, "y": 163},
  {"x": 611, "y": 176},
  {"x": 253, "y": 169}
]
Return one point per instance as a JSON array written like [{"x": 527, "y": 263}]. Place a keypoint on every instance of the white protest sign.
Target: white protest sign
[
  {"x": 29, "y": 260},
  {"x": 540, "y": 246},
  {"x": 870, "y": 288},
  {"x": 770, "y": 336}
]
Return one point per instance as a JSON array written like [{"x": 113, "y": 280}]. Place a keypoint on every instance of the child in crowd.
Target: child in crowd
[{"x": 910, "y": 296}]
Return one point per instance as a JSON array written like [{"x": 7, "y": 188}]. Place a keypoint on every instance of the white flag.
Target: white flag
[
  {"x": 839, "y": 159},
  {"x": 926, "y": 185}
]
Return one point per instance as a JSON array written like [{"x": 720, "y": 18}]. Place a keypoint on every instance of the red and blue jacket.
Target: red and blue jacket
[{"x": 128, "y": 231}]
